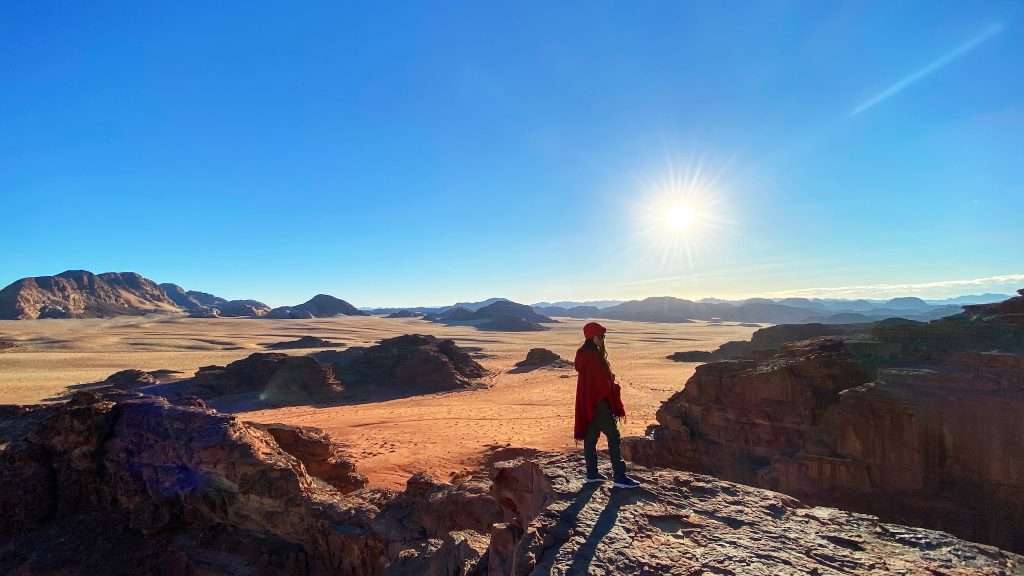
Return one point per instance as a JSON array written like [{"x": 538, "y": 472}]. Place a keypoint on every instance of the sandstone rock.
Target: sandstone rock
[
  {"x": 304, "y": 342},
  {"x": 683, "y": 523},
  {"x": 143, "y": 486},
  {"x": 129, "y": 484},
  {"x": 541, "y": 358},
  {"x": 130, "y": 379},
  {"x": 692, "y": 356},
  {"x": 277, "y": 378},
  {"x": 323, "y": 457},
  {"x": 929, "y": 446},
  {"x": 409, "y": 364}
]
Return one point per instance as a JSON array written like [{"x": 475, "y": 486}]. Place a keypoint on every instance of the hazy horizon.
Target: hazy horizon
[{"x": 431, "y": 155}]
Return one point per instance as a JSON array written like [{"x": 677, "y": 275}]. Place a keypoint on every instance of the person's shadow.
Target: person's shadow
[{"x": 584, "y": 555}]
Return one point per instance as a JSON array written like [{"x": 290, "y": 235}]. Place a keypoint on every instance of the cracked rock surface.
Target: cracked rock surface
[{"x": 688, "y": 524}]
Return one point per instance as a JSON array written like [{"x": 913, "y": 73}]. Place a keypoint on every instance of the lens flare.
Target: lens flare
[{"x": 681, "y": 214}]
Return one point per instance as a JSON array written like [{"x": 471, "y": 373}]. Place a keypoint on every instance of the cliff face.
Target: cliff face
[
  {"x": 920, "y": 425},
  {"x": 78, "y": 294}
]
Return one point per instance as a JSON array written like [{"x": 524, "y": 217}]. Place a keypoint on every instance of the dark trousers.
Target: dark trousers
[{"x": 604, "y": 422}]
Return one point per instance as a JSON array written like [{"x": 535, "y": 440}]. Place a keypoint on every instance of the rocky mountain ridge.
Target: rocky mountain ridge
[{"x": 82, "y": 294}]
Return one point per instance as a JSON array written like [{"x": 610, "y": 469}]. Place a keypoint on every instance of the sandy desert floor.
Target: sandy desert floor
[{"x": 443, "y": 434}]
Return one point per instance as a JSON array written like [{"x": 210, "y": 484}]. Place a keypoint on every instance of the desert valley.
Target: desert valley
[{"x": 456, "y": 423}]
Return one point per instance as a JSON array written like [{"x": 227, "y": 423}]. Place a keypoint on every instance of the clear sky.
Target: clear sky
[{"x": 538, "y": 151}]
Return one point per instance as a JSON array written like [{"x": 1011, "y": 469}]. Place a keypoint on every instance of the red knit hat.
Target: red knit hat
[{"x": 593, "y": 329}]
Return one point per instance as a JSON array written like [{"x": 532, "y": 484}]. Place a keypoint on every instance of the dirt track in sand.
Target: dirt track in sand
[{"x": 442, "y": 434}]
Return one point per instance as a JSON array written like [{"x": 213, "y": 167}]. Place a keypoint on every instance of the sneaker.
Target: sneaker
[
  {"x": 595, "y": 478},
  {"x": 626, "y": 482}
]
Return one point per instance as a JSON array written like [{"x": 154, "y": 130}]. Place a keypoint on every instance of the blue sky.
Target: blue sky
[{"x": 442, "y": 152}]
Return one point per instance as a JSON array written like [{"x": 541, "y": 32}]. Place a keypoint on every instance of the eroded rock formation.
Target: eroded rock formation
[
  {"x": 541, "y": 358},
  {"x": 124, "y": 483},
  {"x": 404, "y": 365},
  {"x": 304, "y": 342},
  {"x": 917, "y": 423},
  {"x": 277, "y": 378}
]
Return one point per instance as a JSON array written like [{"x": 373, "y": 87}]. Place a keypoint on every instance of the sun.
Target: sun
[{"x": 679, "y": 217}]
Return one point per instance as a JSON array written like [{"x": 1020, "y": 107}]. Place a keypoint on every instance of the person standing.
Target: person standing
[{"x": 598, "y": 406}]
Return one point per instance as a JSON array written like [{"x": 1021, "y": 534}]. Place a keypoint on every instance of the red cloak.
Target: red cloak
[{"x": 594, "y": 383}]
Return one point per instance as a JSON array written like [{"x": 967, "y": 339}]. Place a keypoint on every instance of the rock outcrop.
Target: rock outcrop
[
  {"x": 323, "y": 457},
  {"x": 692, "y": 356},
  {"x": 276, "y": 378},
  {"x": 683, "y": 523},
  {"x": 124, "y": 483},
  {"x": 82, "y": 294},
  {"x": 406, "y": 365},
  {"x": 541, "y": 358},
  {"x": 141, "y": 486},
  {"x": 304, "y": 342},
  {"x": 319, "y": 306},
  {"x": 917, "y": 423}
]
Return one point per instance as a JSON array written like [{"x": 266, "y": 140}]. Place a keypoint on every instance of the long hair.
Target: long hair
[{"x": 602, "y": 352}]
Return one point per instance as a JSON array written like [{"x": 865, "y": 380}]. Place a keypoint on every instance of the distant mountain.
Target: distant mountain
[
  {"x": 422, "y": 310},
  {"x": 986, "y": 298},
  {"x": 500, "y": 315},
  {"x": 907, "y": 303},
  {"x": 202, "y": 304},
  {"x": 507, "y": 308},
  {"x": 760, "y": 310},
  {"x": 319, "y": 306},
  {"x": 566, "y": 304},
  {"x": 187, "y": 299},
  {"x": 474, "y": 306},
  {"x": 82, "y": 294}
]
